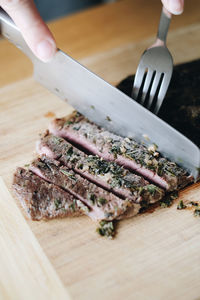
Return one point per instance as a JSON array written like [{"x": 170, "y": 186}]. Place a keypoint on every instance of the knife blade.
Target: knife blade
[{"x": 104, "y": 104}]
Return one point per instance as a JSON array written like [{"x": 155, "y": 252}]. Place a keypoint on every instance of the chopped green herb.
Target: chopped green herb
[
  {"x": 68, "y": 174},
  {"x": 78, "y": 114},
  {"x": 151, "y": 189},
  {"x": 174, "y": 195},
  {"x": 70, "y": 151},
  {"x": 80, "y": 166},
  {"x": 100, "y": 166},
  {"x": 73, "y": 205},
  {"x": 56, "y": 140},
  {"x": 197, "y": 212},
  {"x": 108, "y": 119},
  {"x": 92, "y": 107},
  {"x": 68, "y": 123},
  {"x": 26, "y": 165},
  {"x": 57, "y": 203},
  {"x": 115, "y": 149},
  {"x": 106, "y": 229},
  {"x": 181, "y": 205},
  {"x": 92, "y": 198},
  {"x": 168, "y": 200},
  {"x": 76, "y": 128},
  {"x": 170, "y": 172},
  {"x": 101, "y": 201}
]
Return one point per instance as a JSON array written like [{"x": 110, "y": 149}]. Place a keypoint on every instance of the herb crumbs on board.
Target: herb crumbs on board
[
  {"x": 106, "y": 228},
  {"x": 192, "y": 203},
  {"x": 181, "y": 205},
  {"x": 108, "y": 119},
  {"x": 197, "y": 212}
]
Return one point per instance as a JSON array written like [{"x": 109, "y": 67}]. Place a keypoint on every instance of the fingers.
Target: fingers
[
  {"x": 174, "y": 6},
  {"x": 34, "y": 30}
]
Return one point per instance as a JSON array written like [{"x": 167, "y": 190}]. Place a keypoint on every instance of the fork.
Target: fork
[{"x": 155, "y": 68}]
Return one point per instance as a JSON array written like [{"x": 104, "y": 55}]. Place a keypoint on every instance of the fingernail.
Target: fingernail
[
  {"x": 45, "y": 50},
  {"x": 176, "y": 6}
]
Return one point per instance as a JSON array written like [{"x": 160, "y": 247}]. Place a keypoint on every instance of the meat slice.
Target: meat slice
[
  {"x": 107, "y": 174},
  {"x": 103, "y": 204},
  {"x": 42, "y": 200},
  {"x": 127, "y": 152}
]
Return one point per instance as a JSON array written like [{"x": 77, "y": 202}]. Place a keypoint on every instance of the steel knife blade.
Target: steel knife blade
[{"x": 104, "y": 104}]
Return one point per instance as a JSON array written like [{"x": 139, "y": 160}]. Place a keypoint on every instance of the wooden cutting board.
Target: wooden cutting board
[{"x": 154, "y": 255}]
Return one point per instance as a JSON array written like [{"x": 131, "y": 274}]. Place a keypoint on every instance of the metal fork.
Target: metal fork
[{"x": 154, "y": 71}]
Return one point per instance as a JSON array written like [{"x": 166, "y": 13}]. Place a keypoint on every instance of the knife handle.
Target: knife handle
[{"x": 10, "y": 31}]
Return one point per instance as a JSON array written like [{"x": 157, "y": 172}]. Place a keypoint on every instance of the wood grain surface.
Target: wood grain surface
[
  {"x": 154, "y": 256},
  {"x": 18, "y": 244}
]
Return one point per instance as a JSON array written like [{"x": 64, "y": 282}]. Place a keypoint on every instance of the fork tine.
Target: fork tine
[
  {"x": 138, "y": 81},
  {"x": 153, "y": 89},
  {"x": 162, "y": 92},
  {"x": 146, "y": 85}
]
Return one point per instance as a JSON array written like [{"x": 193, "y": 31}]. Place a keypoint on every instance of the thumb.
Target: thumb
[
  {"x": 174, "y": 6},
  {"x": 34, "y": 30}
]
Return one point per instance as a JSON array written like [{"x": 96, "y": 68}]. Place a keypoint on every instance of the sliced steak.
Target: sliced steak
[
  {"x": 127, "y": 152},
  {"x": 42, "y": 200},
  {"x": 107, "y": 174},
  {"x": 103, "y": 204}
]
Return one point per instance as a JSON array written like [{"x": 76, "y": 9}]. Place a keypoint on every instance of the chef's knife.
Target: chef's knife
[{"x": 104, "y": 104}]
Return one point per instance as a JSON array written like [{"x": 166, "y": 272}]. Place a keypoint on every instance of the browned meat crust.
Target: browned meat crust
[
  {"x": 102, "y": 204},
  {"x": 124, "y": 151},
  {"x": 43, "y": 200},
  {"x": 107, "y": 174}
]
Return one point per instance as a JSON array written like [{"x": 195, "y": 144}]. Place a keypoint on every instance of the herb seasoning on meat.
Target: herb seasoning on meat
[{"x": 124, "y": 151}]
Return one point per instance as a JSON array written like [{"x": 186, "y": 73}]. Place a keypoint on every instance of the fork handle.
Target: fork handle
[{"x": 165, "y": 20}]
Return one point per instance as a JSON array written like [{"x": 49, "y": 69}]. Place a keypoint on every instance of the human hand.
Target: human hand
[
  {"x": 35, "y": 32},
  {"x": 174, "y": 6}
]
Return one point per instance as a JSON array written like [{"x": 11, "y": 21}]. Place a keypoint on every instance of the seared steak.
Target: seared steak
[
  {"x": 102, "y": 204},
  {"x": 107, "y": 174},
  {"x": 124, "y": 151},
  {"x": 42, "y": 200}
]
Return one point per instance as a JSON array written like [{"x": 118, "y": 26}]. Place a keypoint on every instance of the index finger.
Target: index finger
[{"x": 35, "y": 32}]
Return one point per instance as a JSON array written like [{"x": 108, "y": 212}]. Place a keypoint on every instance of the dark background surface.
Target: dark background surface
[
  {"x": 181, "y": 107},
  {"x": 52, "y": 9}
]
